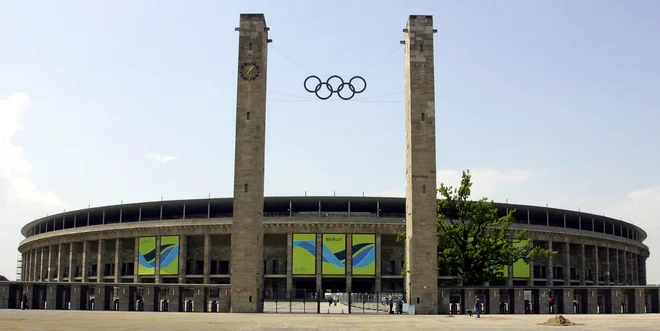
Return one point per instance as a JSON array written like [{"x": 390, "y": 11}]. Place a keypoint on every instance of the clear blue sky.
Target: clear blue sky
[{"x": 547, "y": 102}]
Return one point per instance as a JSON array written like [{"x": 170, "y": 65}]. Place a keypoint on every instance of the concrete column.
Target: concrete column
[
  {"x": 247, "y": 242},
  {"x": 71, "y": 249},
  {"x": 421, "y": 281},
  {"x": 531, "y": 264},
  {"x": 549, "y": 266},
  {"x": 567, "y": 262},
  {"x": 378, "y": 264},
  {"x": 592, "y": 301},
  {"x": 75, "y": 297},
  {"x": 100, "y": 263},
  {"x": 35, "y": 276},
  {"x": 51, "y": 296},
  {"x": 509, "y": 278},
  {"x": 608, "y": 270},
  {"x": 617, "y": 278},
  {"x": 26, "y": 266},
  {"x": 640, "y": 300},
  {"x": 349, "y": 263},
  {"x": 625, "y": 267},
  {"x": 635, "y": 267},
  {"x": 289, "y": 264},
  {"x": 41, "y": 264},
  {"x": 544, "y": 305},
  {"x": 597, "y": 259},
  {"x": 583, "y": 265},
  {"x": 494, "y": 294},
  {"x": 319, "y": 263},
  {"x": 62, "y": 262},
  {"x": 118, "y": 262},
  {"x": 157, "y": 266},
  {"x": 519, "y": 302},
  {"x": 207, "y": 258},
  {"x": 49, "y": 270},
  {"x": 183, "y": 256},
  {"x": 85, "y": 255},
  {"x": 136, "y": 260}
]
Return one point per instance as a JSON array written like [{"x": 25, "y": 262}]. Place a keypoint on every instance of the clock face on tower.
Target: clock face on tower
[{"x": 249, "y": 71}]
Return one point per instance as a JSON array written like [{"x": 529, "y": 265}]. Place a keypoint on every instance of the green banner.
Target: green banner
[
  {"x": 146, "y": 256},
  {"x": 520, "y": 267},
  {"x": 169, "y": 255},
  {"x": 334, "y": 254},
  {"x": 363, "y": 254},
  {"x": 304, "y": 253}
]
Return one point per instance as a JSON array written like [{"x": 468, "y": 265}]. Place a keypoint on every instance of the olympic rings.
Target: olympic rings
[{"x": 329, "y": 90}]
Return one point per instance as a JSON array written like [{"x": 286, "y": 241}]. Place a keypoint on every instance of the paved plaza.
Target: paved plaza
[{"x": 124, "y": 321}]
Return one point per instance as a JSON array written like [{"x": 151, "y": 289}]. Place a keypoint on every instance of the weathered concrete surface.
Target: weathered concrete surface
[{"x": 90, "y": 320}]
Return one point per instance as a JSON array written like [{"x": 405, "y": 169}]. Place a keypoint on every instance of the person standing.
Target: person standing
[
  {"x": 24, "y": 300},
  {"x": 477, "y": 306}
]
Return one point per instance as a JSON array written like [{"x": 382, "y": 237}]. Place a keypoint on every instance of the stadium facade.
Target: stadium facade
[{"x": 244, "y": 253}]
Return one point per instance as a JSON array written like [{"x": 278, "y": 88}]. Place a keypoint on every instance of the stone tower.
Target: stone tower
[
  {"x": 421, "y": 208},
  {"x": 247, "y": 229}
]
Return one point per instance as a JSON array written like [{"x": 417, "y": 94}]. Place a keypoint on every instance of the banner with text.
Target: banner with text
[{"x": 334, "y": 254}]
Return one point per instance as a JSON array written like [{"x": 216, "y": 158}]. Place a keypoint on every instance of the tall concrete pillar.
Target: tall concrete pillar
[
  {"x": 60, "y": 262},
  {"x": 549, "y": 267},
  {"x": 118, "y": 262},
  {"x": 421, "y": 194},
  {"x": 36, "y": 264},
  {"x": 289, "y": 265},
  {"x": 100, "y": 263},
  {"x": 583, "y": 265},
  {"x": 183, "y": 256},
  {"x": 207, "y": 258},
  {"x": 608, "y": 270},
  {"x": 617, "y": 278},
  {"x": 349, "y": 264},
  {"x": 531, "y": 266},
  {"x": 247, "y": 230},
  {"x": 319, "y": 263},
  {"x": 592, "y": 301},
  {"x": 378, "y": 264},
  {"x": 85, "y": 257},
  {"x": 597, "y": 260},
  {"x": 71, "y": 271},
  {"x": 157, "y": 263},
  {"x": 49, "y": 269},
  {"x": 26, "y": 266},
  {"x": 136, "y": 260},
  {"x": 567, "y": 263},
  {"x": 625, "y": 267},
  {"x": 41, "y": 263}
]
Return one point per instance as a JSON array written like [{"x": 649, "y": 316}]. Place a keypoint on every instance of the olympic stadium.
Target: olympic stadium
[{"x": 250, "y": 253}]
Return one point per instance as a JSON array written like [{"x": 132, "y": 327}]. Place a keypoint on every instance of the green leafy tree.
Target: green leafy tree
[{"x": 473, "y": 241}]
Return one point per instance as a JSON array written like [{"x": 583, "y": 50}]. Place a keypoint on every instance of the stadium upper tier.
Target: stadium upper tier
[{"x": 359, "y": 209}]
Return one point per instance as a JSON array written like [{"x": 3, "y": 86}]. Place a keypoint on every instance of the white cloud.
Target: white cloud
[
  {"x": 161, "y": 158},
  {"x": 486, "y": 182},
  {"x": 23, "y": 200},
  {"x": 14, "y": 168},
  {"x": 642, "y": 208}
]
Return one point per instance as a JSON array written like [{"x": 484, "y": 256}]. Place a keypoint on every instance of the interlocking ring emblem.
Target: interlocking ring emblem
[{"x": 327, "y": 89}]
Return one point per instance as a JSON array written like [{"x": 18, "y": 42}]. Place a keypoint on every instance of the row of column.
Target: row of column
[
  {"x": 629, "y": 268},
  {"x": 39, "y": 263}
]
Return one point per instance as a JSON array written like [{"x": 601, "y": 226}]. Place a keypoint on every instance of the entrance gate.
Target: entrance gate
[{"x": 309, "y": 302}]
